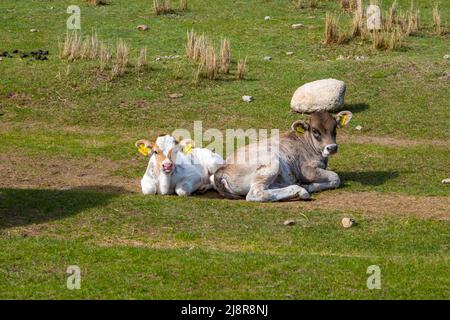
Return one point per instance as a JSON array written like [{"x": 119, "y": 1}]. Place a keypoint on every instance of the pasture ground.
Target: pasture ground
[{"x": 63, "y": 124}]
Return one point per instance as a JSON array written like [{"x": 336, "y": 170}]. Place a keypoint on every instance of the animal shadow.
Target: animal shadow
[
  {"x": 368, "y": 178},
  {"x": 356, "y": 107},
  {"x": 20, "y": 207}
]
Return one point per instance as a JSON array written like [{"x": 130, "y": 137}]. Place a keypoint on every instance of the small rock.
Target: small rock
[
  {"x": 51, "y": 8},
  {"x": 341, "y": 57},
  {"x": 360, "y": 58},
  {"x": 445, "y": 76},
  {"x": 175, "y": 95},
  {"x": 358, "y": 127},
  {"x": 1, "y": 59},
  {"x": 290, "y": 53},
  {"x": 33, "y": 30},
  {"x": 247, "y": 98},
  {"x": 268, "y": 58},
  {"x": 297, "y": 26},
  {"x": 267, "y": 18},
  {"x": 447, "y": 56},
  {"x": 142, "y": 27},
  {"x": 348, "y": 222},
  {"x": 65, "y": 188},
  {"x": 320, "y": 95},
  {"x": 446, "y": 181},
  {"x": 289, "y": 222},
  {"x": 167, "y": 57}
]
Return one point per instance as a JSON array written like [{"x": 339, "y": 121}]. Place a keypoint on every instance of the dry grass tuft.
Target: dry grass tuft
[
  {"x": 358, "y": 23},
  {"x": 141, "y": 62},
  {"x": 190, "y": 44},
  {"x": 350, "y": 5},
  {"x": 97, "y": 2},
  {"x": 208, "y": 63},
  {"x": 64, "y": 48},
  {"x": 437, "y": 20},
  {"x": 94, "y": 46},
  {"x": 331, "y": 29},
  {"x": 199, "y": 47},
  {"x": 302, "y": 4},
  {"x": 104, "y": 56},
  {"x": 225, "y": 56},
  {"x": 183, "y": 5},
  {"x": 85, "y": 49},
  {"x": 75, "y": 47},
  {"x": 201, "y": 50},
  {"x": 391, "y": 20},
  {"x": 241, "y": 68},
  {"x": 396, "y": 40},
  {"x": 162, "y": 7},
  {"x": 121, "y": 56}
]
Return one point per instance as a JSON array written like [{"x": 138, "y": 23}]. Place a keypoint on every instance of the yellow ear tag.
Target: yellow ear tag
[
  {"x": 343, "y": 120},
  {"x": 187, "y": 149},
  {"x": 144, "y": 150},
  {"x": 300, "y": 130}
]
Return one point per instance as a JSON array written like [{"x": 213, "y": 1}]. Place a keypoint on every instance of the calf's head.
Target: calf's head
[
  {"x": 321, "y": 130},
  {"x": 160, "y": 152}
]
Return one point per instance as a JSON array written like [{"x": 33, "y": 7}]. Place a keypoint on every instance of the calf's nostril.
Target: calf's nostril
[{"x": 332, "y": 148}]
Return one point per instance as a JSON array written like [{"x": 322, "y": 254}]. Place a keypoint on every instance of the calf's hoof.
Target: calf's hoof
[{"x": 303, "y": 194}]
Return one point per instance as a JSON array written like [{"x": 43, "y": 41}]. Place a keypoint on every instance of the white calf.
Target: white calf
[{"x": 177, "y": 168}]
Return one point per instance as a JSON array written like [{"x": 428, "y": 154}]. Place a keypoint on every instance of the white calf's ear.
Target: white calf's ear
[
  {"x": 144, "y": 147},
  {"x": 343, "y": 118},
  {"x": 299, "y": 127},
  {"x": 186, "y": 142},
  {"x": 144, "y": 142}
]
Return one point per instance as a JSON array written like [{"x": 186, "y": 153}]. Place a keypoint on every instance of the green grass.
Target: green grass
[{"x": 131, "y": 246}]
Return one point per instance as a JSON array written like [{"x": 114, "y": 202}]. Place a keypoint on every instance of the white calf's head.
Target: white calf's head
[{"x": 159, "y": 152}]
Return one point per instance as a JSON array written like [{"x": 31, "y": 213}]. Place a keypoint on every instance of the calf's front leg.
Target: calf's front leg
[
  {"x": 320, "y": 179},
  {"x": 260, "y": 191}
]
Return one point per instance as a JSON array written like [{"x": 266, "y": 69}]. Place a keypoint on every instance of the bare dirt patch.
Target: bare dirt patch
[
  {"x": 390, "y": 141},
  {"x": 377, "y": 203},
  {"x": 56, "y": 172}
]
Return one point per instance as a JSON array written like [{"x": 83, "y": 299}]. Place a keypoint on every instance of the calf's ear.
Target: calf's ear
[
  {"x": 299, "y": 127},
  {"x": 144, "y": 146},
  {"x": 143, "y": 142},
  {"x": 343, "y": 118}
]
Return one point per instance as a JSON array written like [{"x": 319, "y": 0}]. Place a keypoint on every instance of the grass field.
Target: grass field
[{"x": 69, "y": 171}]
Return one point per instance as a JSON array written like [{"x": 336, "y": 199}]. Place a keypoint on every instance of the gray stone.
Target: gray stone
[
  {"x": 268, "y": 58},
  {"x": 446, "y": 181},
  {"x": 33, "y": 30},
  {"x": 247, "y": 98},
  {"x": 142, "y": 27},
  {"x": 290, "y": 53},
  {"x": 175, "y": 95},
  {"x": 289, "y": 222},
  {"x": 297, "y": 26},
  {"x": 320, "y": 95},
  {"x": 348, "y": 222},
  {"x": 447, "y": 56},
  {"x": 267, "y": 18}
]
